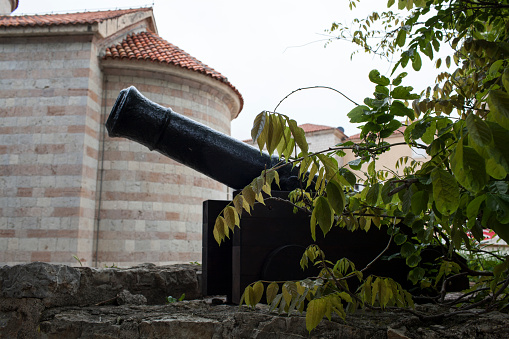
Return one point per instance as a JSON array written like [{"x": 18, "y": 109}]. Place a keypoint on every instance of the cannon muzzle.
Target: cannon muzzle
[{"x": 217, "y": 155}]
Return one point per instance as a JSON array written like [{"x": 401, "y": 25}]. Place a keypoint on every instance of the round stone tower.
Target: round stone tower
[{"x": 8, "y": 6}]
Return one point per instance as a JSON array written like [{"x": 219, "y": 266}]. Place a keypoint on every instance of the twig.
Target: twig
[
  {"x": 105, "y": 301},
  {"x": 313, "y": 87}
]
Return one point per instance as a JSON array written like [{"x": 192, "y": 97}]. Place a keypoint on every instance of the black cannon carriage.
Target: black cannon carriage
[{"x": 271, "y": 240}]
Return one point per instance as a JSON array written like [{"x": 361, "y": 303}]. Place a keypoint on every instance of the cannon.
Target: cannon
[
  {"x": 218, "y": 156},
  {"x": 270, "y": 241}
]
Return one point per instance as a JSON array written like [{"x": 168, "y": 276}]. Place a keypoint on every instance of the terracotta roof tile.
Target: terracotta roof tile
[
  {"x": 396, "y": 133},
  {"x": 308, "y": 128},
  {"x": 64, "y": 19},
  {"x": 151, "y": 47}
]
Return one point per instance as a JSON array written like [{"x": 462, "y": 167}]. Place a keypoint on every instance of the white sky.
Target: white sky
[{"x": 251, "y": 42}]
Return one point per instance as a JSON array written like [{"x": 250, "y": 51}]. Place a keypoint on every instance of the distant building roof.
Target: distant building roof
[
  {"x": 308, "y": 128},
  {"x": 151, "y": 47},
  {"x": 399, "y": 131},
  {"x": 140, "y": 46},
  {"x": 64, "y": 19}
]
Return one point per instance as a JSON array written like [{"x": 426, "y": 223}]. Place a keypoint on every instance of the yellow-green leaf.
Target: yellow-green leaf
[
  {"x": 314, "y": 313},
  {"x": 238, "y": 204},
  {"x": 258, "y": 125},
  {"x": 498, "y": 102},
  {"x": 336, "y": 197},
  {"x": 249, "y": 195},
  {"x": 231, "y": 217},
  {"x": 299, "y": 136},
  {"x": 257, "y": 292},
  {"x": 272, "y": 290},
  {"x": 445, "y": 191},
  {"x": 323, "y": 214},
  {"x": 219, "y": 228}
]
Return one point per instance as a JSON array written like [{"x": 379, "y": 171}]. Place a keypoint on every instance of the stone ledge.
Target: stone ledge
[{"x": 39, "y": 300}]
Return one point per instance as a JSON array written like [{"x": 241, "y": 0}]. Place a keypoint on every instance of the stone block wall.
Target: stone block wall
[
  {"x": 49, "y": 118},
  {"x": 66, "y": 189},
  {"x": 151, "y": 206}
]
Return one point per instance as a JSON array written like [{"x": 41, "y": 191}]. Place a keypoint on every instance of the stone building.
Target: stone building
[{"x": 66, "y": 188}]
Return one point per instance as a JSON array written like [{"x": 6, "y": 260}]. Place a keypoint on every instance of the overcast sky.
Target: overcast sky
[{"x": 266, "y": 48}]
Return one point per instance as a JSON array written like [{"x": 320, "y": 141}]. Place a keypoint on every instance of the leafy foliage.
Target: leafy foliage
[{"x": 462, "y": 122}]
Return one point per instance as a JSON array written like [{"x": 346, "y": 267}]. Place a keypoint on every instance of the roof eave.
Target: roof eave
[{"x": 38, "y": 30}]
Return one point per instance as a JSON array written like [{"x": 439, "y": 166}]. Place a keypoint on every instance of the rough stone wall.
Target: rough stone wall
[
  {"x": 39, "y": 300},
  {"x": 49, "y": 118},
  {"x": 151, "y": 206}
]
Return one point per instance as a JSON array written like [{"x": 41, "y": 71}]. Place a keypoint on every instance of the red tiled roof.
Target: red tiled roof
[
  {"x": 308, "y": 128},
  {"x": 151, "y": 47},
  {"x": 399, "y": 131},
  {"x": 64, "y": 19}
]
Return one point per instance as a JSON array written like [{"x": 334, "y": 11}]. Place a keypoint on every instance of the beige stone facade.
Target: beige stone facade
[{"x": 66, "y": 188}]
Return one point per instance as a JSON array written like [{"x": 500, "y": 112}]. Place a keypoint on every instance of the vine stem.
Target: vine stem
[{"x": 315, "y": 87}]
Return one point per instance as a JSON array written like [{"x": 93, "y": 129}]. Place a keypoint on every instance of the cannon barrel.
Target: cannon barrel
[{"x": 217, "y": 155}]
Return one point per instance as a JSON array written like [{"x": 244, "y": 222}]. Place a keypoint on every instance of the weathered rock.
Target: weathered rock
[
  {"x": 197, "y": 319},
  {"x": 126, "y": 298},
  {"x": 60, "y": 285},
  {"x": 53, "y": 301},
  {"x": 38, "y": 280}
]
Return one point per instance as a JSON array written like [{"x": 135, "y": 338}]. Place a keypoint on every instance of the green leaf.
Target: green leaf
[
  {"x": 374, "y": 77},
  {"x": 403, "y": 92},
  {"x": 359, "y": 114},
  {"x": 495, "y": 67},
  {"x": 469, "y": 167},
  {"x": 416, "y": 62},
  {"x": 372, "y": 195},
  {"x": 416, "y": 275},
  {"x": 401, "y": 38},
  {"x": 397, "y": 80},
  {"x": 407, "y": 249},
  {"x": 479, "y": 131},
  {"x": 323, "y": 214},
  {"x": 419, "y": 202},
  {"x": 505, "y": 79},
  {"x": 400, "y": 239},
  {"x": 473, "y": 210},
  {"x": 429, "y": 135},
  {"x": 500, "y": 151},
  {"x": 348, "y": 176},
  {"x": 330, "y": 164},
  {"x": 413, "y": 260},
  {"x": 495, "y": 169},
  {"x": 386, "y": 189},
  {"x": 498, "y": 102},
  {"x": 336, "y": 197},
  {"x": 315, "y": 313},
  {"x": 445, "y": 191},
  {"x": 501, "y": 229},
  {"x": 355, "y": 164}
]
